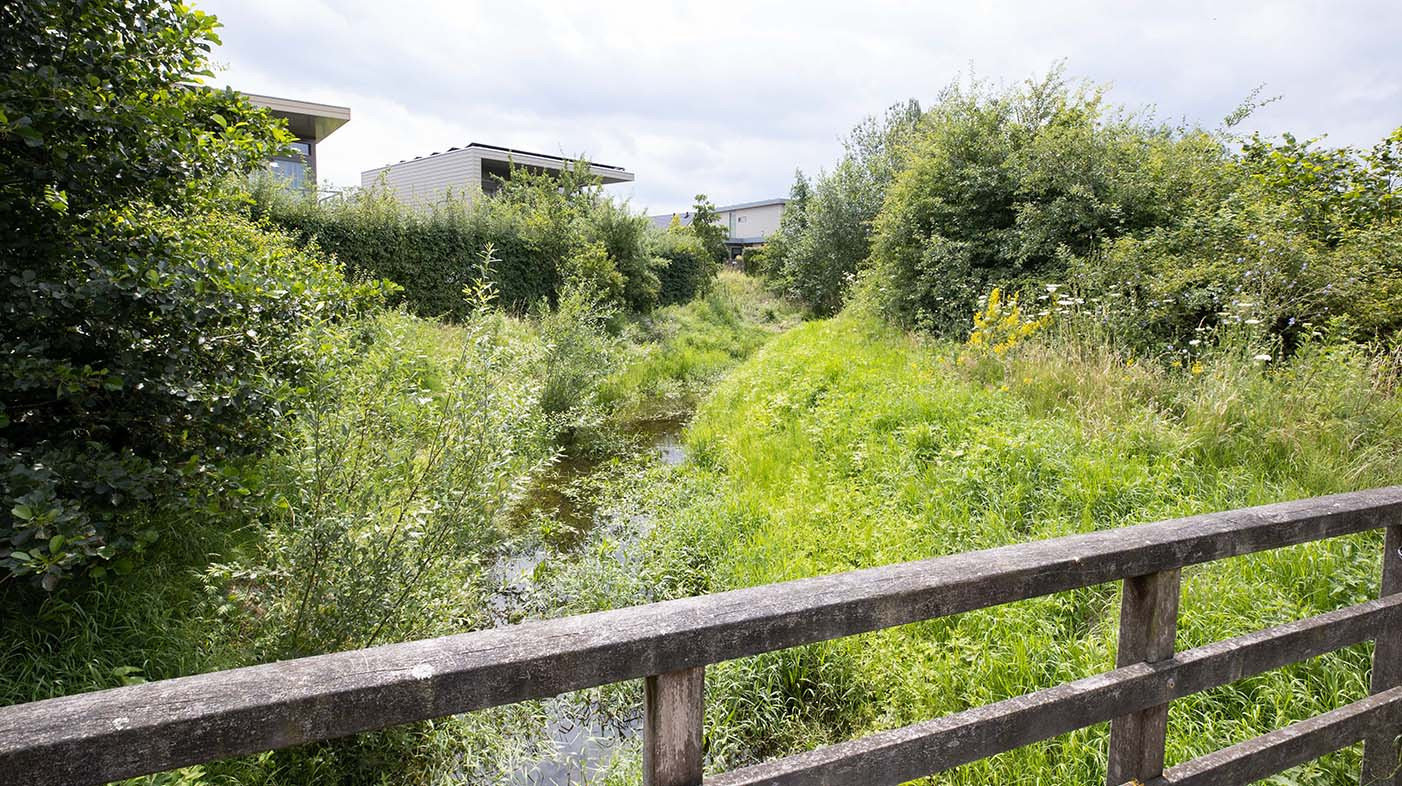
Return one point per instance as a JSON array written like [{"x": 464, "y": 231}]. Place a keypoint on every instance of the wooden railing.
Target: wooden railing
[{"x": 105, "y": 735}]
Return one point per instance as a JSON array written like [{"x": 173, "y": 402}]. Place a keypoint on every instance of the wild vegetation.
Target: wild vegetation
[
  {"x": 847, "y": 444},
  {"x": 1165, "y": 231},
  {"x": 219, "y": 446},
  {"x": 544, "y": 232},
  {"x": 1113, "y": 322},
  {"x": 241, "y": 425}
]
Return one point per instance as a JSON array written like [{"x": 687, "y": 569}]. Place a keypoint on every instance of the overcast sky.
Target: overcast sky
[{"x": 728, "y": 98}]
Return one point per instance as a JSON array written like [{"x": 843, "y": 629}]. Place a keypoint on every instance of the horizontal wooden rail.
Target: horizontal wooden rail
[
  {"x": 101, "y": 736},
  {"x": 910, "y": 752},
  {"x": 1291, "y": 746}
]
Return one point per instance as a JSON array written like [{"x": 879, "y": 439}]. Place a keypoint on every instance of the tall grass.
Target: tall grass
[
  {"x": 678, "y": 353},
  {"x": 378, "y": 519},
  {"x": 844, "y": 444}
]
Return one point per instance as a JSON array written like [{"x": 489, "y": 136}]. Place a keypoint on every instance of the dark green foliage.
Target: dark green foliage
[
  {"x": 431, "y": 254},
  {"x": 757, "y": 260},
  {"x": 148, "y": 338},
  {"x": 689, "y": 270},
  {"x": 168, "y": 347},
  {"x": 1303, "y": 237},
  {"x": 95, "y": 111},
  {"x": 1003, "y": 187},
  {"x": 542, "y": 230},
  {"x": 1163, "y": 234},
  {"x": 626, "y": 236}
]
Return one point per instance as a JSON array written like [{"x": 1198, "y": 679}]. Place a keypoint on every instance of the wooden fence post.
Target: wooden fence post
[
  {"x": 1148, "y": 628},
  {"x": 673, "y": 710},
  {"x": 1380, "y": 750}
]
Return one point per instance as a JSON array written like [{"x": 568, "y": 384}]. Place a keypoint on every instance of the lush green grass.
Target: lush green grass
[
  {"x": 677, "y": 353},
  {"x": 844, "y": 445}
]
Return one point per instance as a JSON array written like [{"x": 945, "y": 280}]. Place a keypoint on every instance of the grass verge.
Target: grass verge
[{"x": 844, "y": 444}]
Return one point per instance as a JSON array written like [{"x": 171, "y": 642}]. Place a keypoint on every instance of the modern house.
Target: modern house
[
  {"x": 467, "y": 171},
  {"x": 746, "y": 224},
  {"x": 310, "y": 123}
]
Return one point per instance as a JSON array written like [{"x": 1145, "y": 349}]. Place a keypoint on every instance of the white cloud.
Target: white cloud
[{"x": 728, "y": 98}]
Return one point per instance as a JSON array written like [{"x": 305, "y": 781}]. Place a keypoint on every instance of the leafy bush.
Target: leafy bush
[
  {"x": 627, "y": 237},
  {"x": 825, "y": 233},
  {"x": 1004, "y": 187},
  {"x": 689, "y": 269},
  {"x": 386, "y": 493},
  {"x": 149, "y": 337},
  {"x": 96, "y": 112},
  {"x": 706, "y": 227},
  {"x": 1306, "y": 236},
  {"x": 576, "y": 353},
  {"x": 172, "y": 345}
]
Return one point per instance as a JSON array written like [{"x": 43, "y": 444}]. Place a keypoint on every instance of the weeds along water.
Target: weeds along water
[
  {"x": 582, "y": 526},
  {"x": 381, "y": 497}
]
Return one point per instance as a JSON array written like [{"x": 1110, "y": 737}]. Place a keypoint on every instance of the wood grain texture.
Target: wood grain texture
[
  {"x": 1148, "y": 630},
  {"x": 1293, "y": 745},
  {"x": 1382, "y": 755},
  {"x": 101, "y": 736},
  {"x": 900, "y": 755},
  {"x": 673, "y": 712}
]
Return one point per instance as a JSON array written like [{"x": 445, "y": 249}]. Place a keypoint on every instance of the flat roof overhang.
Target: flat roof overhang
[
  {"x": 305, "y": 119},
  {"x": 607, "y": 174}
]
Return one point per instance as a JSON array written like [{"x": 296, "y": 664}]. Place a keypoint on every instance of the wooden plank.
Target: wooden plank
[
  {"x": 1148, "y": 629},
  {"x": 161, "y": 725},
  {"x": 1382, "y": 756},
  {"x": 673, "y": 713},
  {"x": 1291, "y": 746},
  {"x": 911, "y": 752}
]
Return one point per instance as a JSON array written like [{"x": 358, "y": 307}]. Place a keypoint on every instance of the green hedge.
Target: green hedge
[
  {"x": 689, "y": 270},
  {"x": 537, "y": 226},
  {"x": 430, "y": 255}
]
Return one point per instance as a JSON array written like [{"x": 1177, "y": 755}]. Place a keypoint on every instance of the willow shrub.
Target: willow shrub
[
  {"x": 1002, "y": 187},
  {"x": 825, "y": 234}
]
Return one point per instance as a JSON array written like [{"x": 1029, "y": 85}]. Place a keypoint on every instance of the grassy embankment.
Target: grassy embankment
[{"x": 845, "y": 444}]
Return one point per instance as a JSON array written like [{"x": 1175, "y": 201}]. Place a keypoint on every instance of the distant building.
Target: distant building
[
  {"x": 466, "y": 171},
  {"x": 746, "y": 224},
  {"x": 310, "y": 123}
]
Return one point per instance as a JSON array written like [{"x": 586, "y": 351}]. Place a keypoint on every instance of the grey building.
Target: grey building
[
  {"x": 467, "y": 171},
  {"x": 310, "y": 123},
  {"x": 746, "y": 224}
]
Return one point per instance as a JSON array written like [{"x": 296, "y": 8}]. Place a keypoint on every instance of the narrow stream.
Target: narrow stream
[{"x": 578, "y": 739}]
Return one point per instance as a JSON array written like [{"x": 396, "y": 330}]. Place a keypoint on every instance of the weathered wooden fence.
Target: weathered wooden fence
[{"x": 105, "y": 735}]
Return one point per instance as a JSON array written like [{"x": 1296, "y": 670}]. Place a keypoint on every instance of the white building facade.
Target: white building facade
[
  {"x": 746, "y": 224},
  {"x": 469, "y": 171}
]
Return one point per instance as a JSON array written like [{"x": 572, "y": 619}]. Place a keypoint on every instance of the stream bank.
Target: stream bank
[{"x": 579, "y": 736}]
